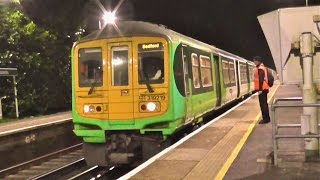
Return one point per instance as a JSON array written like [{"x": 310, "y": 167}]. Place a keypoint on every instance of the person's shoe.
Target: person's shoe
[{"x": 263, "y": 122}]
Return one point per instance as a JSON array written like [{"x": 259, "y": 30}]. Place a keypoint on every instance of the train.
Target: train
[{"x": 135, "y": 84}]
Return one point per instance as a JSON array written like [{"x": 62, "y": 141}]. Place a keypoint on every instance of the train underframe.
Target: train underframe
[{"x": 124, "y": 148}]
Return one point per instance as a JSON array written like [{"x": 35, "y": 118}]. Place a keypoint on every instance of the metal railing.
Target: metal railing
[{"x": 276, "y": 126}]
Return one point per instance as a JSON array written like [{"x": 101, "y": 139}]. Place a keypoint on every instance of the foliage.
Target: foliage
[
  {"x": 59, "y": 15},
  {"x": 43, "y": 61}
]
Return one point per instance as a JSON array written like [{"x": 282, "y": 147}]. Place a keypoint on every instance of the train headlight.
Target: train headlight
[
  {"x": 91, "y": 108},
  {"x": 151, "y": 106},
  {"x": 86, "y": 108}
]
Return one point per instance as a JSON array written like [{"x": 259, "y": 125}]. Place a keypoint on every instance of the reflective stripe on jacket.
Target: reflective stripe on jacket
[{"x": 257, "y": 79}]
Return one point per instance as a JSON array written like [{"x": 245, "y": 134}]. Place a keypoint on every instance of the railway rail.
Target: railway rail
[
  {"x": 36, "y": 168},
  {"x": 27, "y": 139}
]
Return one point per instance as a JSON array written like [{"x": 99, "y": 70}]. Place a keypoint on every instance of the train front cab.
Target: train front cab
[{"x": 120, "y": 89}]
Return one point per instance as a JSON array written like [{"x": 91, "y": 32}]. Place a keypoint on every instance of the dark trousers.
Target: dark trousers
[{"x": 263, "y": 100}]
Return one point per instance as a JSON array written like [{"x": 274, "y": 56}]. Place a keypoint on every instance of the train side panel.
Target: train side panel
[{"x": 194, "y": 79}]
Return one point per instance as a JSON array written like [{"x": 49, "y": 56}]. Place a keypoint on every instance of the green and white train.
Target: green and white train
[{"x": 135, "y": 84}]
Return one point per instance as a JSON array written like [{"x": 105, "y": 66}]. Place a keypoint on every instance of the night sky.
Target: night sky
[{"x": 227, "y": 24}]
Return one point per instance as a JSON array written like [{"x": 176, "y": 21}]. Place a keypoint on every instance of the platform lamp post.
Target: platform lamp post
[
  {"x": 3, "y": 97},
  {"x": 15, "y": 96}
]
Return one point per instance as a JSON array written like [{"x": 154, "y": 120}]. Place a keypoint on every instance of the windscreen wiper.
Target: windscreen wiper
[
  {"x": 92, "y": 87},
  {"x": 147, "y": 81},
  {"x": 150, "y": 89}
]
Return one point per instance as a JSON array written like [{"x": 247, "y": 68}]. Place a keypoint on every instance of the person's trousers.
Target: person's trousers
[{"x": 263, "y": 100}]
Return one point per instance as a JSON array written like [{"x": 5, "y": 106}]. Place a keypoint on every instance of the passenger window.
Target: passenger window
[
  {"x": 232, "y": 72},
  {"x": 206, "y": 72},
  {"x": 251, "y": 75},
  {"x": 120, "y": 63},
  {"x": 225, "y": 68},
  {"x": 90, "y": 67},
  {"x": 243, "y": 73},
  {"x": 195, "y": 70}
]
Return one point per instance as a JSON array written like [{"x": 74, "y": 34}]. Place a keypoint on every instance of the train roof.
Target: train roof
[
  {"x": 139, "y": 28},
  {"x": 128, "y": 29}
]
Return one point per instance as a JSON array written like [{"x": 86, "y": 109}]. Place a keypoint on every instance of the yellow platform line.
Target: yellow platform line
[{"x": 243, "y": 140}]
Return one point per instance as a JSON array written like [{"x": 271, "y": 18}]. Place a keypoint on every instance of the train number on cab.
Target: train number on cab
[{"x": 152, "y": 97}]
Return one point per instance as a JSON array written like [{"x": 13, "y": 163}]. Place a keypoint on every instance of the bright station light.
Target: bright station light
[{"x": 109, "y": 17}]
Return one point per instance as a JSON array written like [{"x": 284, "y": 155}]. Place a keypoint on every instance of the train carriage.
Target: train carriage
[{"x": 136, "y": 84}]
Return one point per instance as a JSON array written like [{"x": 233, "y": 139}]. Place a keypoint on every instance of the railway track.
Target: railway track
[{"x": 48, "y": 164}]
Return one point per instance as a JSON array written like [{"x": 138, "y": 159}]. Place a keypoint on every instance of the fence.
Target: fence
[{"x": 275, "y": 126}]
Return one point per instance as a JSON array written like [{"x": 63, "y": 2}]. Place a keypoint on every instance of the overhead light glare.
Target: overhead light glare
[{"x": 109, "y": 17}]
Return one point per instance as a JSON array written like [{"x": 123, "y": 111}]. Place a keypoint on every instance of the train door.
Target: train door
[
  {"x": 187, "y": 88},
  {"x": 120, "y": 93},
  {"x": 237, "y": 77},
  {"x": 218, "y": 82},
  {"x": 233, "y": 89}
]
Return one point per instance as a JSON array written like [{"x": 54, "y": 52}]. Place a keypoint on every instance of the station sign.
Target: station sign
[{"x": 8, "y": 71}]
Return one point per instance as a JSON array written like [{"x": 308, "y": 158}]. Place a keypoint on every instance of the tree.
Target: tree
[{"x": 43, "y": 61}]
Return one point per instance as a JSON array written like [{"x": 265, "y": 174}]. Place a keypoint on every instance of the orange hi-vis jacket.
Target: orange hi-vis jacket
[{"x": 257, "y": 78}]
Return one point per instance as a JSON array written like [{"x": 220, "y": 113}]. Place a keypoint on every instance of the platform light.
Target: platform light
[{"x": 109, "y": 17}]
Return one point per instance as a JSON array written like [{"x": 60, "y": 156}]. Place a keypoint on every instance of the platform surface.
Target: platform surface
[
  {"x": 209, "y": 153},
  {"x": 236, "y": 147},
  {"x": 255, "y": 159},
  {"x": 30, "y": 122}
]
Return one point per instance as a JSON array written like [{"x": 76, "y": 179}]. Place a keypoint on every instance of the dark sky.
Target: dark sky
[{"x": 228, "y": 24}]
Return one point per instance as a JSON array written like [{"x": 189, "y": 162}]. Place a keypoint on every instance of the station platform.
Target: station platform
[
  {"x": 33, "y": 122},
  {"x": 233, "y": 146}
]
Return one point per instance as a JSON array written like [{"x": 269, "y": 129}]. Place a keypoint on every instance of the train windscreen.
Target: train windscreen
[
  {"x": 151, "y": 63},
  {"x": 90, "y": 67},
  {"x": 120, "y": 66}
]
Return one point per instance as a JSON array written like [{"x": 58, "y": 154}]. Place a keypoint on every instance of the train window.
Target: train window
[
  {"x": 151, "y": 63},
  {"x": 251, "y": 73},
  {"x": 120, "y": 63},
  {"x": 206, "y": 74},
  {"x": 243, "y": 73},
  {"x": 195, "y": 70},
  {"x": 232, "y": 72},
  {"x": 225, "y": 68},
  {"x": 90, "y": 67},
  {"x": 179, "y": 60},
  {"x": 186, "y": 72}
]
